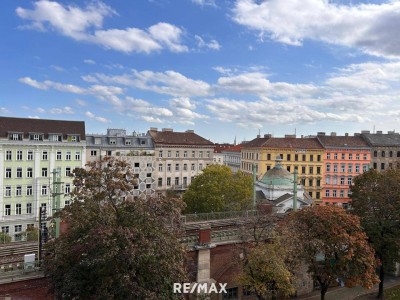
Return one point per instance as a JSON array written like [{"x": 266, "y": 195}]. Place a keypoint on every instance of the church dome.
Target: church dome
[{"x": 277, "y": 175}]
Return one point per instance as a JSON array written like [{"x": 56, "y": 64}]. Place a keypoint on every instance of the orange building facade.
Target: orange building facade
[{"x": 345, "y": 157}]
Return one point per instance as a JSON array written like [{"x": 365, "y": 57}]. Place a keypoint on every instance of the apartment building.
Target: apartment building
[
  {"x": 232, "y": 157},
  {"x": 385, "y": 149},
  {"x": 30, "y": 151},
  {"x": 303, "y": 154},
  {"x": 135, "y": 148},
  {"x": 345, "y": 157},
  {"x": 180, "y": 156}
]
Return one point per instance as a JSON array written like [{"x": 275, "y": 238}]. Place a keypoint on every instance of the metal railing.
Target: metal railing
[{"x": 218, "y": 216}]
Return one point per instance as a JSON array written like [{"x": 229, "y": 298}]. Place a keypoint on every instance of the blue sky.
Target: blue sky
[{"x": 223, "y": 68}]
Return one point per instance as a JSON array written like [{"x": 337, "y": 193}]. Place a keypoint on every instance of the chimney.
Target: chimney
[
  {"x": 379, "y": 132},
  {"x": 167, "y": 130},
  {"x": 268, "y": 135},
  {"x": 189, "y": 131},
  {"x": 153, "y": 128},
  {"x": 357, "y": 134},
  {"x": 321, "y": 133},
  {"x": 346, "y": 134},
  {"x": 391, "y": 132},
  {"x": 258, "y": 136},
  {"x": 365, "y": 131},
  {"x": 333, "y": 133},
  {"x": 290, "y": 136}
]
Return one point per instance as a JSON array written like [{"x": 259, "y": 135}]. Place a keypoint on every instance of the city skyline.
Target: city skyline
[{"x": 226, "y": 69}]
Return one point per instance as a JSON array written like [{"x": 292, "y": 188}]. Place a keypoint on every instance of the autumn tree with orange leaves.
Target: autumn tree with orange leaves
[{"x": 332, "y": 244}]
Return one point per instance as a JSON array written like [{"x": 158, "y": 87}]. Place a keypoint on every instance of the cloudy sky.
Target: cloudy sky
[{"x": 225, "y": 68}]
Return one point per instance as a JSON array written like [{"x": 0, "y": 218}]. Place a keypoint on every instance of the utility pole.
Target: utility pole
[
  {"x": 56, "y": 198},
  {"x": 295, "y": 190}
]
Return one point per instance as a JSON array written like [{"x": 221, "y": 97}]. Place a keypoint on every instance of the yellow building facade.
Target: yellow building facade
[{"x": 303, "y": 154}]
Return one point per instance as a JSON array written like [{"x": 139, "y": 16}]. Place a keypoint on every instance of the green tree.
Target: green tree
[
  {"x": 376, "y": 200},
  {"x": 218, "y": 189},
  {"x": 32, "y": 234},
  {"x": 117, "y": 246},
  {"x": 332, "y": 244},
  {"x": 4, "y": 238}
]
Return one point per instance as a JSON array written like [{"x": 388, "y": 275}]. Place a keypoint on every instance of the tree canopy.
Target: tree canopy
[
  {"x": 332, "y": 244},
  {"x": 218, "y": 189},
  {"x": 117, "y": 246},
  {"x": 376, "y": 200}
]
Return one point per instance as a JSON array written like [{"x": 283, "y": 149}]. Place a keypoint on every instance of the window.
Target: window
[
  {"x": 350, "y": 156},
  {"x": 18, "y": 190},
  {"x": 160, "y": 167},
  {"x": 304, "y": 157},
  {"x": 328, "y": 179},
  {"x": 349, "y": 180},
  {"x": 44, "y": 155},
  {"x": 8, "y": 155},
  {"x": 18, "y": 228},
  {"x": 193, "y": 167},
  {"x": 19, "y": 154},
  {"x": 18, "y": 209},
  {"x": 288, "y": 168},
  {"x": 44, "y": 172},
  {"x": 303, "y": 170},
  {"x": 7, "y": 209},
  {"x": 66, "y": 202},
  {"x": 343, "y": 156},
  {"x": 383, "y": 153},
  {"x": 335, "y": 156},
  {"x": 77, "y": 155},
  {"x": 8, "y": 172},
  {"x": 318, "y": 195},
  {"x": 160, "y": 154},
  {"x": 169, "y": 153},
  {"x": 342, "y": 180},
  {"x": 334, "y": 180},
  {"x": 350, "y": 168},
  {"x": 5, "y": 229},
  {"x": 296, "y": 157},
  {"x": 311, "y": 157},
  {"x": 200, "y": 167},
  {"x": 310, "y": 182},
  {"x": 269, "y": 156},
  {"x": 160, "y": 182},
  {"x": 169, "y": 167},
  {"x": 185, "y": 167},
  {"x": 185, "y": 154},
  {"x": 93, "y": 153},
  {"x": 288, "y": 157},
  {"x": 67, "y": 188},
  {"x": 365, "y": 168},
  {"x": 357, "y": 156},
  {"x": 68, "y": 155},
  {"x": 200, "y": 154},
  {"x": 176, "y": 180},
  {"x": 168, "y": 181},
  {"x": 335, "y": 168},
  {"x": 341, "y": 193},
  {"x": 29, "y": 172},
  {"x": 365, "y": 156},
  {"x": 357, "y": 168},
  {"x": 148, "y": 175},
  {"x": 177, "y": 167},
  {"x": 375, "y": 166},
  {"x": 328, "y": 156},
  {"x": 193, "y": 154},
  {"x": 318, "y": 182},
  {"x": 36, "y": 137},
  {"x": 177, "y": 154},
  {"x": 382, "y": 166},
  {"x": 318, "y": 157},
  {"x": 231, "y": 293},
  {"x": 68, "y": 171},
  {"x": 375, "y": 153},
  {"x": 29, "y": 190},
  {"x": 311, "y": 170},
  {"x": 327, "y": 193},
  {"x": 19, "y": 172},
  {"x": 44, "y": 190},
  {"x": 334, "y": 193},
  {"x": 29, "y": 155},
  {"x": 55, "y": 138},
  {"x": 16, "y": 136},
  {"x": 328, "y": 167},
  {"x": 128, "y": 142},
  {"x": 343, "y": 168}
]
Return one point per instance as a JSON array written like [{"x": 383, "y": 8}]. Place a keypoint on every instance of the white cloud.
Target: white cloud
[
  {"x": 89, "y": 61},
  {"x": 85, "y": 24},
  {"x": 205, "y": 2},
  {"x": 183, "y": 102},
  {"x": 213, "y": 44},
  {"x": 369, "y": 27},
  {"x": 4, "y": 110},
  {"x": 81, "y": 102},
  {"x": 92, "y": 116}
]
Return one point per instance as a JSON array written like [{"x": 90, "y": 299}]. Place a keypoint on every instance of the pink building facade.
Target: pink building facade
[{"x": 345, "y": 157}]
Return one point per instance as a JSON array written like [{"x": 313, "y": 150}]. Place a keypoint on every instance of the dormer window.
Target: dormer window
[
  {"x": 15, "y": 136},
  {"x": 113, "y": 141},
  {"x": 36, "y": 136},
  {"x": 55, "y": 137},
  {"x": 128, "y": 142},
  {"x": 73, "y": 138}
]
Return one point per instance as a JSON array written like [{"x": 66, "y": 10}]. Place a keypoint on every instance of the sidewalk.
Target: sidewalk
[{"x": 338, "y": 293}]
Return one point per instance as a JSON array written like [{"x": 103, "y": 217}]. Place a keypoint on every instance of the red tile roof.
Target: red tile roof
[
  {"x": 26, "y": 126},
  {"x": 178, "y": 138},
  {"x": 342, "y": 141},
  {"x": 285, "y": 142}
]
